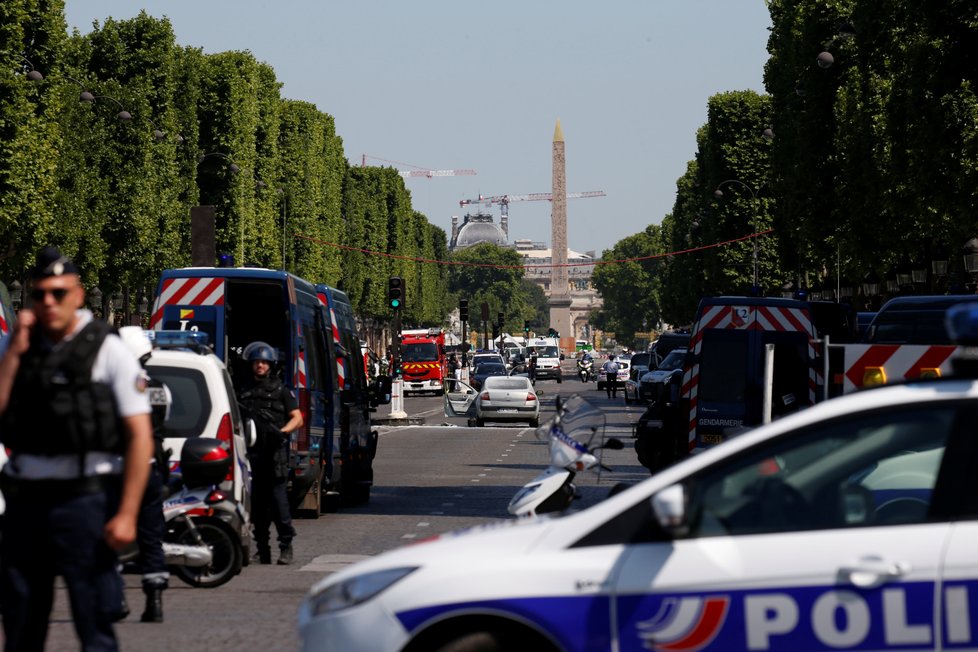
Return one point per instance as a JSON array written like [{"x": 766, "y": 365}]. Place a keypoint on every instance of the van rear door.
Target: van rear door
[
  {"x": 724, "y": 383},
  {"x": 192, "y": 304}
]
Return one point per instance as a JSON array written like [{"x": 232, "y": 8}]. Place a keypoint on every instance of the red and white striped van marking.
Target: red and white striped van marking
[
  {"x": 207, "y": 291},
  {"x": 340, "y": 370},
  {"x": 899, "y": 361}
]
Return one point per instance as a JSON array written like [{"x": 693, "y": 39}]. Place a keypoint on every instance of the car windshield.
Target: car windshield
[
  {"x": 419, "y": 352},
  {"x": 673, "y": 361},
  {"x": 490, "y": 368},
  {"x": 641, "y": 359},
  {"x": 507, "y": 382},
  {"x": 545, "y": 351}
]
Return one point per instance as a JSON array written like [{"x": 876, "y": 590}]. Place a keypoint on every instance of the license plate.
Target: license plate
[
  {"x": 507, "y": 410},
  {"x": 417, "y": 386},
  {"x": 711, "y": 439}
]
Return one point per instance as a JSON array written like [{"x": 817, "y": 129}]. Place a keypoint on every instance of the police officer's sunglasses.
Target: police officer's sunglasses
[{"x": 59, "y": 294}]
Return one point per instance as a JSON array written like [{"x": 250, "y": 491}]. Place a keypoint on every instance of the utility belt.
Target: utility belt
[{"x": 52, "y": 490}]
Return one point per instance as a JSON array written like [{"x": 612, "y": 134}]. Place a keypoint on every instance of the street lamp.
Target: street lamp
[
  {"x": 718, "y": 193},
  {"x": 87, "y": 97},
  {"x": 32, "y": 74}
]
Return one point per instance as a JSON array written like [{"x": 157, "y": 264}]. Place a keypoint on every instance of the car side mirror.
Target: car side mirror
[{"x": 669, "y": 508}]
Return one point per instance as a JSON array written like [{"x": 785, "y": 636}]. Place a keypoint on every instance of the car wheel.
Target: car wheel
[
  {"x": 559, "y": 380},
  {"x": 471, "y": 423},
  {"x": 534, "y": 423},
  {"x": 480, "y": 422},
  {"x": 475, "y": 642}
]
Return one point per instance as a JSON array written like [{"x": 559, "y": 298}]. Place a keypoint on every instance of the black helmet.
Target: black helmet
[{"x": 260, "y": 351}]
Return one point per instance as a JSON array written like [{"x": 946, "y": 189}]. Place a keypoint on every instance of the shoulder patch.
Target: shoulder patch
[{"x": 141, "y": 383}]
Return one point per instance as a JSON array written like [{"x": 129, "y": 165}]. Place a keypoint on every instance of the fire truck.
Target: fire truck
[{"x": 423, "y": 363}]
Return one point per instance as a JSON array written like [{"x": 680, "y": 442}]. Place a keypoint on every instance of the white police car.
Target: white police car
[{"x": 850, "y": 525}]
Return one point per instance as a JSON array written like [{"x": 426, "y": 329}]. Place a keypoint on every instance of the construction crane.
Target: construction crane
[
  {"x": 418, "y": 171},
  {"x": 503, "y": 200}
]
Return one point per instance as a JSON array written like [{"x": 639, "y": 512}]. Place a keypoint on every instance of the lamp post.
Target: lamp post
[{"x": 718, "y": 193}]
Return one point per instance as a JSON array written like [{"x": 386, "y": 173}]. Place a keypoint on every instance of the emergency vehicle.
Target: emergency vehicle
[
  {"x": 237, "y": 306},
  {"x": 723, "y": 376},
  {"x": 846, "y": 526},
  {"x": 548, "y": 354},
  {"x": 906, "y": 340},
  {"x": 351, "y": 469},
  {"x": 423, "y": 362}
]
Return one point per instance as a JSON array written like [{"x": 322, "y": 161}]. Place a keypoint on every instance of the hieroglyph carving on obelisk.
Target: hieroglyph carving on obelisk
[{"x": 560, "y": 300}]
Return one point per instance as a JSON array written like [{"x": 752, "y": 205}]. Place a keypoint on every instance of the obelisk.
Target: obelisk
[{"x": 560, "y": 299}]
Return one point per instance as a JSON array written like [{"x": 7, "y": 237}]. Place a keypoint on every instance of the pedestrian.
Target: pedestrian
[
  {"x": 151, "y": 524},
  {"x": 452, "y": 366},
  {"x": 74, "y": 415},
  {"x": 533, "y": 366},
  {"x": 276, "y": 413},
  {"x": 610, "y": 369}
]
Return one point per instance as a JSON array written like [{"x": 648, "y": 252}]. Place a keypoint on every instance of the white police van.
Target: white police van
[{"x": 850, "y": 525}]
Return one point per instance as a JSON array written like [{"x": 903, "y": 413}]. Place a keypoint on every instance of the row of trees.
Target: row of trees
[
  {"x": 205, "y": 129},
  {"x": 862, "y": 156}
]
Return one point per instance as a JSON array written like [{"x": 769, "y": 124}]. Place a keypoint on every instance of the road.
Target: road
[{"x": 430, "y": 479}]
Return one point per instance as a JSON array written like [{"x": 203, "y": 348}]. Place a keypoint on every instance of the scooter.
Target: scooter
[
  {"x": 201, "y": 543},
  {"x": 585, "y": 370},
  {"x": 569, "y": 435}
]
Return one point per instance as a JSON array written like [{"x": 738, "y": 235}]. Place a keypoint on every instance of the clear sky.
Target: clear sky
[{"x": 455, "y": 84}]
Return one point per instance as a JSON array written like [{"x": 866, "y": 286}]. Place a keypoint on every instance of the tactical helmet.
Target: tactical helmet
[
  {"x": 135, "y": 338},
  {"x": 260, "y": 351}
]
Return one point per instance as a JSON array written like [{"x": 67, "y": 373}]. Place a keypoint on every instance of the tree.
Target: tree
[{"x": 487, "y": 273}]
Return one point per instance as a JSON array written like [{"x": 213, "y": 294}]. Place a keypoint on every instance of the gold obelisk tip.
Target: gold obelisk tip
[{"x": 558, "y": 133}]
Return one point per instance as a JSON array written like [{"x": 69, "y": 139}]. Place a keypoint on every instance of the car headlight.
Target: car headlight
[{"x": 355, "y": 590}]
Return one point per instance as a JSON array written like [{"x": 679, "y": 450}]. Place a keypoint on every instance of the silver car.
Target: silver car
[{"x": 501, "y": 398}]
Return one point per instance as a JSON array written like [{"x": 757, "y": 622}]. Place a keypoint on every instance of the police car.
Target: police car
[{"x": 849, "y": 525}]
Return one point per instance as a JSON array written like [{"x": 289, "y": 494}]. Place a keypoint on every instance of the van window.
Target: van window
[
  {"x": 256, "y": 310},
  {"x": 723, "y": 366},
  {"x": 909, "y": 327},
  {"x": 191, "y": 406}
]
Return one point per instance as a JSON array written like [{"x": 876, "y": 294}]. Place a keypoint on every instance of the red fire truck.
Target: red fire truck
[{"x": 423, "y": 363}]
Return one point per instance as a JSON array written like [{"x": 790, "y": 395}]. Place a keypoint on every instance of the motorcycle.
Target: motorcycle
[
  {"x": 202, "y": 544},
  {"x": 569, "y": 435},
  {"x": 585, "y": 370}
]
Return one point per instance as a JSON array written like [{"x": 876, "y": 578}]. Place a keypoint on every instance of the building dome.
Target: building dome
[{"x": 478, "y": 229}]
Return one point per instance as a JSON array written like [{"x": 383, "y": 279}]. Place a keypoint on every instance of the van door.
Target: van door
[
  {"x": 193, "y": 304},
  {"x": 792, "y": 372},
  {"x": 725, "y": 386}
]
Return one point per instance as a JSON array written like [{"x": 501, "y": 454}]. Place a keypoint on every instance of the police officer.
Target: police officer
[
  {"x": 151, "y": 524},
  {"x": 610, "y": 369},
  {"x": 75, "y": 416},
  {"x": 276, "y": 414}
]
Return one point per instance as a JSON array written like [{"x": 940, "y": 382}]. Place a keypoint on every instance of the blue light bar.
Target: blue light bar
[
  {"x": 961, "y": 321},
  {"x": 179, "y": 339}
]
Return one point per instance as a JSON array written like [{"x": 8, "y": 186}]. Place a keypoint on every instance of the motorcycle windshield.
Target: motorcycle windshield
[{"x": 579, "y": 421}]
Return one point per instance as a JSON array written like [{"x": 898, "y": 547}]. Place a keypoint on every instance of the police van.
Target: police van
[
  {"x": 238, "y": 306},
  {"x": 847, "y": 526},
  {"x": 355, "y": 446},
  {"x": 723, "y": 374}
]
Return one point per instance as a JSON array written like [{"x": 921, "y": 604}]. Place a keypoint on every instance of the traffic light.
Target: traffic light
[
  {"x": 463, "y": 309},
  {"x": 500, "y": 318},
  {"x": 526, "y": 327},
  {"x": 395, "y": 292}
]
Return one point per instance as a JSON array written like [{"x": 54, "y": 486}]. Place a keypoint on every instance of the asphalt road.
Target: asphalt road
[{"x": 429, "y": 480}]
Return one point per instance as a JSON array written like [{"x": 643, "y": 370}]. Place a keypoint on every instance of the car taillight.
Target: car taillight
[
  {"x": 225, "y": 433},
  {"x": 485, "y": 396},
  {"x": 531, "y": 397}
]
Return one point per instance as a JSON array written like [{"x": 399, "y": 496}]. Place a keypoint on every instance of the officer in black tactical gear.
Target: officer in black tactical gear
[
  {"x": 276, "y": 414},
  {"x": 75, "y": 417},
  {"x": 151, "y": 523}
]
